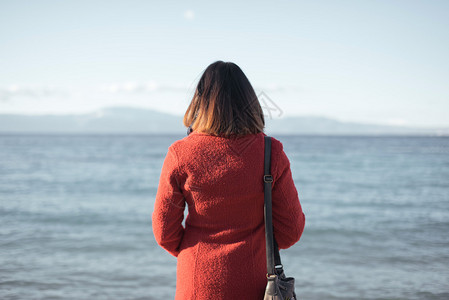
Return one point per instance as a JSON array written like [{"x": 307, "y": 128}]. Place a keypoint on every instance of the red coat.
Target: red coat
[{"x": 221, "y": 248}]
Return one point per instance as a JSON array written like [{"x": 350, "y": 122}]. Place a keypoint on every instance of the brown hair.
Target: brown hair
[{"x": 224, "y": 103}]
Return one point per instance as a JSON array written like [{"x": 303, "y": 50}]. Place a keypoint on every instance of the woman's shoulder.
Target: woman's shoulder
[
  {"x": 198, "y": 141},
  {"x": 280, "y": 162},
  {"x": 276, "y": 146},
  {"x": 188, "y": 144},
  {"x": 178, "y": 145}
]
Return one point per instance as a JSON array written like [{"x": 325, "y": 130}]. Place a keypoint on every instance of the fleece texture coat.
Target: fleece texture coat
[{"x": 220, "y": 249}]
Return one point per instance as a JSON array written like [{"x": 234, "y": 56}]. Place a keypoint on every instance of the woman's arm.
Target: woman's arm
[
  {"x": 169, "y": 206},
  {"x": 288, "y": 217}
]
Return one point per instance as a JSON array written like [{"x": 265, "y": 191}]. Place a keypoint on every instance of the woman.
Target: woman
[{"x": 217, "y": 170}]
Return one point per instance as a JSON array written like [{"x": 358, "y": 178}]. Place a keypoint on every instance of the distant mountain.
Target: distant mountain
[
  {"x": 327, "y": 126},
  {"x": 135, "y": 120},
  {"x": 108, "y": 120}
]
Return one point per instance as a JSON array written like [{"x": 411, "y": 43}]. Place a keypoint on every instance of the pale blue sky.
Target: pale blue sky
[{"x": 366, "y": 61}]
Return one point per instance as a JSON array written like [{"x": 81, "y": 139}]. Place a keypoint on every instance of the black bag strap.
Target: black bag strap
[{"x": 272, "y": 250}]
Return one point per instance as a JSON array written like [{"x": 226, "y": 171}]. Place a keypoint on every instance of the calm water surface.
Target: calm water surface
[{"x": 75, "y": 215}]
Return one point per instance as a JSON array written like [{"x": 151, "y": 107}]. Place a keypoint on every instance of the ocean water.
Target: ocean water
[{"x": 75, "y": 217}]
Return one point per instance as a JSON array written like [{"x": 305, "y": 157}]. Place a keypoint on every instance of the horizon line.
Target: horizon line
[{"x": 97, "y": 110}]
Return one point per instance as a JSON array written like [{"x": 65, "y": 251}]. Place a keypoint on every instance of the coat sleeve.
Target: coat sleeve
[
  {"x": 169, "y": 206},
  {"x": 288, "y": 217}
]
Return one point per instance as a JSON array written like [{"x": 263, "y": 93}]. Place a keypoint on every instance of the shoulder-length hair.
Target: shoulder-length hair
[{"x": 224, "y": 103}]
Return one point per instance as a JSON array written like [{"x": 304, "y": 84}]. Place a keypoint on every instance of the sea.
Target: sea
[{"x": 75, "y": 217}]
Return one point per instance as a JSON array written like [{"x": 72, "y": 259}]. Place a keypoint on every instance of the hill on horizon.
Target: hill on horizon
[{"x": 123, "y": 120}]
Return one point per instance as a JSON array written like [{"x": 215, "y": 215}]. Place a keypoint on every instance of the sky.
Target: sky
[{"x": 368, "y": 61}]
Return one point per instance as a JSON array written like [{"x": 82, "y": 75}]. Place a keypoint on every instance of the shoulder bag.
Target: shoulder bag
[{"x": 279, "y": 287}]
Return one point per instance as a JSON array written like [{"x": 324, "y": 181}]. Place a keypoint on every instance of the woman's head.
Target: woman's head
[{"x": 224, "y": 103}]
